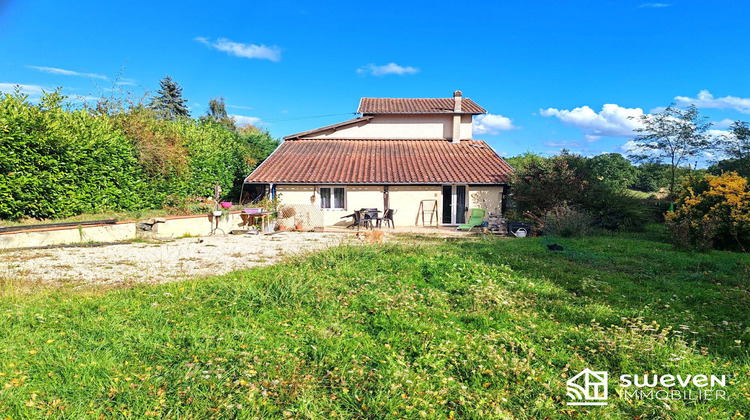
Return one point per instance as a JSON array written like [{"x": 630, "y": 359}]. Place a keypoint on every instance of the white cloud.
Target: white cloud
[
  {"x": 63, "y": 72},
  {"x": 725, "y": 123},
  {"x": 632, "y": 148},
  {"x": 657, "y": 110},
  {"x": 491, "y": 124},
  {"x": 390, "y": 68},
  {"x": 243, "y": 50},
  {"x": 654, "y": 5},
  {"x": 564, "y": 144},
  {"x": 612, "y": 121},
  {"x": 239, "y": 106},
  {"x": 242, "y": 120},
  {"x": 31, "y": 90},
  {"x": 126, "y": 82},
  {"x": 592, "y": 138},
  {"x": 706, "y": 100},
  {"x": 717, "y": 134}
]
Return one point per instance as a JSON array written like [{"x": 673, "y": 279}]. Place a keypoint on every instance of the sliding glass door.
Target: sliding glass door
[{"x": 454, "y": 204}]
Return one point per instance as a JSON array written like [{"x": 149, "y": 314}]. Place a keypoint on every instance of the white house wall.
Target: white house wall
[
  {"x": 404, "y": 199},
  {"x": 488, "y": 198},
  {"x": 402, "y": 127}
]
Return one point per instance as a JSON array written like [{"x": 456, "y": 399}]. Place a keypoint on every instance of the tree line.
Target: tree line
[{"x": 570, "y": 195}]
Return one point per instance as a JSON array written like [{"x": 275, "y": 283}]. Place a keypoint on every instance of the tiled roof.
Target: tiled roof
[
  {"x": 332, "y": 127},
  {"x": 382, "y": 162},
  {"x": 416, "y": 106}
]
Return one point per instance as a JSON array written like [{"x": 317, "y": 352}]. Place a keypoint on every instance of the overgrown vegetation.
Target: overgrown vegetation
[
  {"x": 57, "y": 162},
  {"x": 460, "y": 329},
  {"x": 590, "y": 187}
]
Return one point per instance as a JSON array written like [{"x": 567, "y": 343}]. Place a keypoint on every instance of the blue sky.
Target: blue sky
[{"x": 552, "y": 74}]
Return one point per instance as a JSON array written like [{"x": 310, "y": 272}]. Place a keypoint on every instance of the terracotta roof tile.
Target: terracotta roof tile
[
  {"x": 416, "y": 106},
  {"x": 391, "y": 162}
]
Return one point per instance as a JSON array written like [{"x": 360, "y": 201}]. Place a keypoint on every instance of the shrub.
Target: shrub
[
  {"x": 616, "y": 209},
  {"x": 566, "y": 221},
  {"x": 712, "y": 212},
  {"x": 543, "y": 185},
  {"x": 657, "y": 209}
]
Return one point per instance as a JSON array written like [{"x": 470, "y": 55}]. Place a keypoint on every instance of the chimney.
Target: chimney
[{"x": 456, "y": 117}]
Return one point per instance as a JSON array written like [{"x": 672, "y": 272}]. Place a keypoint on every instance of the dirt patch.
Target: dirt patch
[{"x": 154, "y": 263}]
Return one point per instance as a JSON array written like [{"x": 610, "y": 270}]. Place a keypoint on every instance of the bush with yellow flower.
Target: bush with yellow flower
[{"x": 712, "y": 213}]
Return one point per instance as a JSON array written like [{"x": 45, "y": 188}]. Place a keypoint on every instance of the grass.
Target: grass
[
  {"x": 659, "y": 195},
  {"x": 432, "y": 328}
]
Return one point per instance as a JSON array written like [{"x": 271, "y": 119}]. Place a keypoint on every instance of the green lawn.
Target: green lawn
[{"x": 424, "y": 329}]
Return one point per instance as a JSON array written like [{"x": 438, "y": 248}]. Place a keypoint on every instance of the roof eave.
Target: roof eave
[
  {"x": 424, "y": 113},
  {"x": 377, "y": 183},
  {"x": 334, "y": 127}
]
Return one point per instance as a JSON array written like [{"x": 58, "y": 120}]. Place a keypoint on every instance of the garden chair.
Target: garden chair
[
  {"x": 476, "y": 220},
  {"x": 387, "y": 218},
  {"x": 359, "y": 219}
]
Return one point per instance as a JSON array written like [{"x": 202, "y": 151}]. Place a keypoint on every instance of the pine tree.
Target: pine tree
[{"x": 169, "y": 103}]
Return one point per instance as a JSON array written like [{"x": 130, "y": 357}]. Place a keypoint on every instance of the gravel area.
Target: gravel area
[{"x": 159, "y": 261}]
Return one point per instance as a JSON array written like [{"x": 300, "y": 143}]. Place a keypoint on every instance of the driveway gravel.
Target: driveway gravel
[{"x": 158, "y": 261}]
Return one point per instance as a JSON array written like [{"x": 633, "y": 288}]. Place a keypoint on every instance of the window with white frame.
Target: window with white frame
[{"x": 332, "y": 198}]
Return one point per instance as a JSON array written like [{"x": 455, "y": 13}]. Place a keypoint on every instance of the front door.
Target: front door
[{"x": 454, "y": 204}]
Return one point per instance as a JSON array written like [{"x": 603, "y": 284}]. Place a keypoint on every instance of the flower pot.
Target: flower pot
[
  {"x": 299, "y": 227},
  {"x": 226, "y": 204},
  {"x": 217, "y": 213},
  {"x": 282, "y": 228}
]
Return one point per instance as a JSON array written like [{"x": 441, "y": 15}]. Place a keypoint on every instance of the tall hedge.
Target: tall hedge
[{"x": 56, "y": 161}]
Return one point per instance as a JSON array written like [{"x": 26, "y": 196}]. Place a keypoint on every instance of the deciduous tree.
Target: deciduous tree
[
  {"x": 736, "y": 145},
  {"x": 612, "y": 169},
  {"x": 217, "y": 111},
  {"x": 673, "y": 135}
]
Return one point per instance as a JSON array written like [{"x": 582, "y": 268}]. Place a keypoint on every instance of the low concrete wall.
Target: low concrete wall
[
  {"x": 173, "y": 227},
  {"x": 198, "y": 225},
  {"x": 61, "y": 236}
]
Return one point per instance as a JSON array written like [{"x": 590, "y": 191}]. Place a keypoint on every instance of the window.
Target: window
[{"x": 332, "y": 198}]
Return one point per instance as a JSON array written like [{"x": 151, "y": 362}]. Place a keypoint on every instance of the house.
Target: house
[{"x": 408, "y": 154}]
